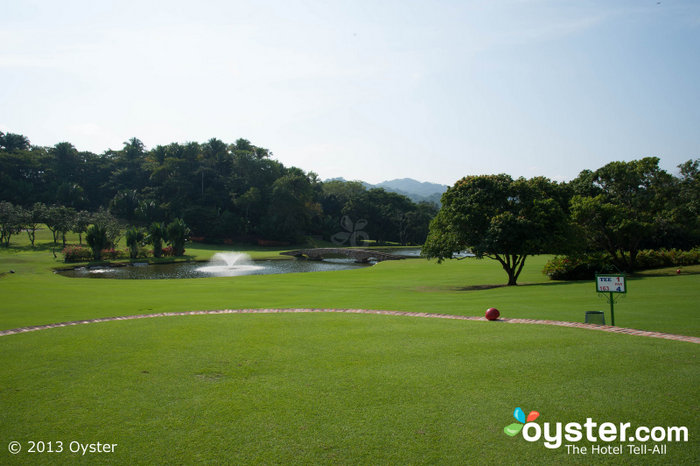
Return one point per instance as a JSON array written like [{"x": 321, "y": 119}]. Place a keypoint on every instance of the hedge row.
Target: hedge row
[{"x": 585, "y": 266}]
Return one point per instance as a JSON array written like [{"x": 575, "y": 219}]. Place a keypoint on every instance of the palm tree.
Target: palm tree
[
  {"x": 177, "y": 235},
  {"x": 96, "y": 238},
  {"x": 156, "y": 235},
  {"x": 134, "y": 236}
]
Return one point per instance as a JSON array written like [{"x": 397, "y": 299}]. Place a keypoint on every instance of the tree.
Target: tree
[
  {"x": 52, "y": 220},
  {"x": 417, "y": 223},
  {"x": 124, "y": 204},
  {"x": 149, "y": 211},
  {"x": 343, "y": 191},
  {"x": 113, "y": 229},
  {"x": 127, "y": 169},
  {"x": 689, "y": 197},
  {"x": 59, "y": 219},
  {"x": 624, "y": 206},
  {"x": 500, "y": 218},
  {"x": 10, "y": 222},
  {"x": 96, "y": 238},
  {"x": 177, "y": 233},
  {"x": 23, "y": 177},
  {"x": 65, "y": 168},
  {"x": 32, "y": 218},
  {"x": 156, "y": 235},
  {"x": 220, "y": 190},
  {"x": 70, "y": 194},
  {"x": 291, "y": 207},
  {"x": 13, "y": 142},
  {"x": 81, "y": 223},
  {"x": 690, "y": 183},
  {"x": 384, "y": 211},
  {"x": 134, "y": 237},
  {"x": 249, "y": 201}
]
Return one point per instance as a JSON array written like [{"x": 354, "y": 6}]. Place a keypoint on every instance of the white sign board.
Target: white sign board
[{"x": 610, "y": 284}]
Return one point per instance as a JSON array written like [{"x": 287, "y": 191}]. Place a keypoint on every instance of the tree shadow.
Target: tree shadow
[
  {"x": 521, "y": 285},
  {"x": 558, "y": 283},
  {"x": 477, "y": 287}
]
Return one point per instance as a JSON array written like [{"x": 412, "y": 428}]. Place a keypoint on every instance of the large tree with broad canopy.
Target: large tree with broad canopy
[{"x": 500, "y": 218}]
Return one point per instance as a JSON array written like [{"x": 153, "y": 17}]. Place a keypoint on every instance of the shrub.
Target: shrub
[
  {"x": 578, "y": 267},
  {"x": 144, "y": 252},
  {"x": 169, "y": 251},
  {"x": 77, "y": 254},
  {"x": 585, "y": 266},
  {"x": 652, "y": 259},
  {"x": 111, "y": 254}
]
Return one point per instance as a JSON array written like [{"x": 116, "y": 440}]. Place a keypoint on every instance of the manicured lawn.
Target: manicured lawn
[
  {"x": 336, "y": 388},
  {"x": 330, "y": 388},
  {"x": 33, "y": 295}
]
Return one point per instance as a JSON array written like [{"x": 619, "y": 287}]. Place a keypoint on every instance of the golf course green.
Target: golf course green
[{"x": 331, "y": 387}]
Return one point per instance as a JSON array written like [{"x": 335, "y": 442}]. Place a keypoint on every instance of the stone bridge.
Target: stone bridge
[{"x": 360, "y": 255}]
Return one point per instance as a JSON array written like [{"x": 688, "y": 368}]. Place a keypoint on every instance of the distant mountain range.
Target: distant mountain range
[{"x": 415, "y": 190}]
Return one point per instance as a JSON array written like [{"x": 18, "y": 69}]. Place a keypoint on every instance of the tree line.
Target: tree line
[
  {"x": 621, "y": 209},
  {"x": 220, "y": 191}
]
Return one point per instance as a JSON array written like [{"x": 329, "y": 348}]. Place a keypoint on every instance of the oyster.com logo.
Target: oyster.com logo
[
  {"x": 353, "y": 234},
  {"x": 613, "y": 435},
  {"x": 519, "y": 415}
]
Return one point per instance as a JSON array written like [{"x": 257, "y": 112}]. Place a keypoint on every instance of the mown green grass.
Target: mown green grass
[
  {"x": 33, "y": 295},
  {"x": 335, "y": 388},
  {"x": 331, "y": 388}
]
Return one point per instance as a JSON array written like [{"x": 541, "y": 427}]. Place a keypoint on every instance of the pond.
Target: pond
[{"x": 229, "y": 264}]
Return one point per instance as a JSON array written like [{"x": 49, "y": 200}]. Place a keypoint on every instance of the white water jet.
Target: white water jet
[{"x": 227, "y": 264}]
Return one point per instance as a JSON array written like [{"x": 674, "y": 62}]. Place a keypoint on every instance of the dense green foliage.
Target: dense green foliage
[
  {"x": 624, "y": 207},
  {"x": 177, "y": 233},
  {"x": 602, "y": 219},
  {"x": 500, "y": 218},
  {"x": 221, "y": 191},
  {"x": 584, "y": 266},
  {"x": 10, "y": 222},
  {"x": 156, "y": 235},
  {"x": 134, "y": 238},
  {"x": 96, "y": 238}
]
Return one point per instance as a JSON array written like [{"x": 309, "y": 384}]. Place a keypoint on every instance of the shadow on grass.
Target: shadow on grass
[
  {"x": 39, "y": 247},
  {"x": 492, "y": 286}
]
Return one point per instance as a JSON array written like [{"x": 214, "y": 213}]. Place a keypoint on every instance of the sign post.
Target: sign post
[{"x": 610, "y": 285}]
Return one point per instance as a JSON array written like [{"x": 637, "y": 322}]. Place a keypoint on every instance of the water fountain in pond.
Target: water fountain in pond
[{"x": 228, "y": 264}]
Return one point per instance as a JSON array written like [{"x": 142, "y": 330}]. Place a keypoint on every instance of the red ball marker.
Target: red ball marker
[{"x": 492, "y": 313}]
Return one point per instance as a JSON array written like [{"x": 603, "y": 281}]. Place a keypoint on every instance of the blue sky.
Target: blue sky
[{"x": 371, "y": 90}]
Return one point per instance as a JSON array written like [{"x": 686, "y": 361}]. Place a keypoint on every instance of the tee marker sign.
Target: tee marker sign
[{"x": 610, "y": 284}]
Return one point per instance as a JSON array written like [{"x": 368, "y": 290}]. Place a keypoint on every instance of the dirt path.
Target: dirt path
[{"x": 603, "y": 328}]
